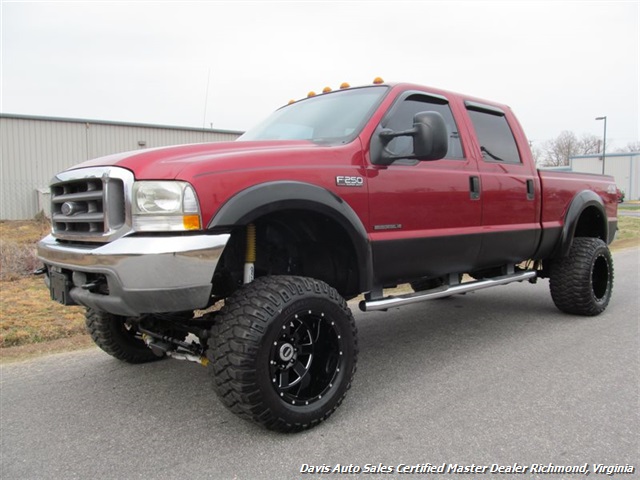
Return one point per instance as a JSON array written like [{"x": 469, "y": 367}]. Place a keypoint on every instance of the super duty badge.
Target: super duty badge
[{"x": 343, "y": 181}]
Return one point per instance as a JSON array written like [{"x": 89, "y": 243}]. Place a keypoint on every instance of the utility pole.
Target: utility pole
[{"x": 604, "y": 140}]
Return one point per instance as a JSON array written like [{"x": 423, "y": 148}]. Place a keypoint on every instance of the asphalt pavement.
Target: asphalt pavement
[{"x": 493, "y": 377}]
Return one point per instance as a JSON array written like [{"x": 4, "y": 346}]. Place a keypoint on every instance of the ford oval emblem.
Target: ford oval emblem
[{"x": 67, "y": 208}]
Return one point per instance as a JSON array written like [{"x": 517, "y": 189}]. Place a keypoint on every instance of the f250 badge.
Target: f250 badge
[{"x": 343, "y": 181}]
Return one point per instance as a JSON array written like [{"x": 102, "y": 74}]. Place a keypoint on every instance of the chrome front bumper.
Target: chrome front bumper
[{"x": 150, "y": 274}]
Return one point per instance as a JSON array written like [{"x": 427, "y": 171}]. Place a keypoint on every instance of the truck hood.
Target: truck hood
[{"x": 171, "y": 162}]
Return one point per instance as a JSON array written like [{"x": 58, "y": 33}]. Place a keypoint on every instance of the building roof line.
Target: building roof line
[
  {"x": 616, "y": 154},
  {"x": 114, "y": 123}
]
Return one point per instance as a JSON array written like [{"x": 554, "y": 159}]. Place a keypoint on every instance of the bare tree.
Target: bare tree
[
  {"x": 589, "y": 143},
  {"x": 630, "y": 147},
  {"x": 537, "y": 153},
  {"x": 559, "y": 150}
]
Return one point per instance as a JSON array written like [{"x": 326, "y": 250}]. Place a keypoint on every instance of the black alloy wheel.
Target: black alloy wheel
[{"x": 309, "y": 348}]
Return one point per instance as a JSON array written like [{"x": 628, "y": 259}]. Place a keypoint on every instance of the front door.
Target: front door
[{"x": 424, "y": 219}]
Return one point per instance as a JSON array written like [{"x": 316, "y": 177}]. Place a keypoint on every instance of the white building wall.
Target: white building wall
[
  {"x": 624, "y": 167},
  {"x": 34, "y": 149}
]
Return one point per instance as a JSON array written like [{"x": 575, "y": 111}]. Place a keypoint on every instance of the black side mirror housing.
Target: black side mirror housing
[{"x": 430, "y": 139}]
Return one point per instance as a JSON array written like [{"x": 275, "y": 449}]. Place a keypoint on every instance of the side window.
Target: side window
[
  {"x": 401, "y": 118},
  {"x": 496, "y": 138}
]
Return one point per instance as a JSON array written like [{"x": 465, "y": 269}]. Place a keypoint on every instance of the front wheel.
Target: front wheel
[
  {"x": 581, "y": 283},
  {"x": 112, "y": 334},
  {"x": 284, "y": 352}
]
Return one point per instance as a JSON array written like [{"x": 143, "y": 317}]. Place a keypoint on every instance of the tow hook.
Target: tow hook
[{"x": 91, "y": 285}]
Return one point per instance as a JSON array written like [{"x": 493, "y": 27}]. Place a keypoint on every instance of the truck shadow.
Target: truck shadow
[{"x": 417, "y": 343}]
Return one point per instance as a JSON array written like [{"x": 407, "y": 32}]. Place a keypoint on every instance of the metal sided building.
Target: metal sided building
[
  {"x": 624, "y": 167},
  {"x": 34, "y": 149}
]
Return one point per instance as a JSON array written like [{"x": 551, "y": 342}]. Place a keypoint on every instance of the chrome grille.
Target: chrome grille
[
  {"x": 78, "y": 206},
  {"x": 90, "y": 204}
]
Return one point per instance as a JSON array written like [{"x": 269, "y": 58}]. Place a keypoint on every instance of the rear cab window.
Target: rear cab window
[{"x": 497, "y": 143}]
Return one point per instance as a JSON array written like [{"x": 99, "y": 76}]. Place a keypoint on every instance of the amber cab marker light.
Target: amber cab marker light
[
  {"x": 378, "y": 81},
  {"x": 344, "y": 85},
  {"x": 326, "y": 89},
  {"x": 311, "y": 94},
  {"x": 291, "y": 101}
]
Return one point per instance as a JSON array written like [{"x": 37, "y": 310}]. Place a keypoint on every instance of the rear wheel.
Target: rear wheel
[
  {"x": 581, "y": 283},
  {"x": 284, "y": 352},
  {"x": 112, "y": 334}
]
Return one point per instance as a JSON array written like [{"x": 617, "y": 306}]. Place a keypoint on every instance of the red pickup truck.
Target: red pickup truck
[{"x": 339, "y": 194}]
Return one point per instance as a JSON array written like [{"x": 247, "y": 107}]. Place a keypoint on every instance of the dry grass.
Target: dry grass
[
  {"x": 30, "y": 316},
  {"x": 28, "y": 313},
  {"x": 16, "y": 260},
  {"x": 628, "y": 233},
  {"x": 24, "y": 231},
  {"x": 17, "y": 247},
  {"x": 33, "y": 350}
]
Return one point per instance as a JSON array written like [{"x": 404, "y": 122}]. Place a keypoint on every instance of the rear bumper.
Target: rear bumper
[{"x": 150, "y": 274}]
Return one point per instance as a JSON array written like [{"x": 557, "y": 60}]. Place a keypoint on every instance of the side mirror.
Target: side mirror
[{"x": 430, "y": 139}]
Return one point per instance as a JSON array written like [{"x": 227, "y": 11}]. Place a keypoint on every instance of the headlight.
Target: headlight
[
  {"x": 165, "y": 206},
  {"x": 158, "y": 197}
]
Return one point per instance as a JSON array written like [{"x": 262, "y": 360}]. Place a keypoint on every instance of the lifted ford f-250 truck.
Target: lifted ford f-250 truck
[{"x": 338, "y": 194}]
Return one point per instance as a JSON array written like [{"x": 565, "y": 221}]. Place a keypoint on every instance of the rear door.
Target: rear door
[{"x": 510, "y": 187}]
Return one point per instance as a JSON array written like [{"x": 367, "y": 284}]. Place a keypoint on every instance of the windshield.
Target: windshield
[{"x": 332, "y": 118}]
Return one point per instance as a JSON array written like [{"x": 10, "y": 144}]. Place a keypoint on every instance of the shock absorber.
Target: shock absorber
[{"x": 250, "y": 256}]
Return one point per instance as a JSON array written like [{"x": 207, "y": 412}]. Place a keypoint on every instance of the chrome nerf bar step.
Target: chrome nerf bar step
[{"x": 400, "y": 300}]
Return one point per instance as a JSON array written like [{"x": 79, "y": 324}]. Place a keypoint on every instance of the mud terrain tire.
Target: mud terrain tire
[
  {"x": 109, "y": 332},
  {"x": 581, "y": 283},
  {"x": 283, "y": 352}
]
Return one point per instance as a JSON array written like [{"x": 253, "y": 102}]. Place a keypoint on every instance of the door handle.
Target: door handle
[
  {"x": 474, "y": 187},
  {"x": 530, "y": 190}
]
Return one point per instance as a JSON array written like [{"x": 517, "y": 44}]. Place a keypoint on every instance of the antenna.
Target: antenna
[{"x": 206, "y": 100}]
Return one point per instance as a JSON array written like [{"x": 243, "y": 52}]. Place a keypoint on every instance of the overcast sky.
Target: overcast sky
[{"x": 557, "y": 64}]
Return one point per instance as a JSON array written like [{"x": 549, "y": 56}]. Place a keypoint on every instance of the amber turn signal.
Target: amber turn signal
[{"x": 191, "y": 222}]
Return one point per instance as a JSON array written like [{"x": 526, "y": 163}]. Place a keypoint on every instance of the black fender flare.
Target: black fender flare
[
  {"x": 582, "y": 201},
  {"x": 265, "y": 198}
]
